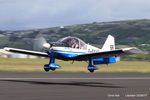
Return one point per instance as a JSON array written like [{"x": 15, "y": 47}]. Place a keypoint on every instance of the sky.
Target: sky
[{"x": 33, "y": 14}]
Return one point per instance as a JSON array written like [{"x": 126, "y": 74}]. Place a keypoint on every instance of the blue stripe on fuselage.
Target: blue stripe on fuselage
[
  {"x": 61, "y": 53},
  {"x": 68, "y": 55}
]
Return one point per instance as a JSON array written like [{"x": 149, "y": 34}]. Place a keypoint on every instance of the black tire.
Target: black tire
[
  {"x": 91, "y": 71},
  {"x": 53, "y": 69},
  {"x": 46, "y": 69}
]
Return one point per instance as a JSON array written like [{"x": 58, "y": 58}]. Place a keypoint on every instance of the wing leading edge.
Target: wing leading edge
[
  {"x": 105, "y": 54},
  {"x": 34, "y": 53}
]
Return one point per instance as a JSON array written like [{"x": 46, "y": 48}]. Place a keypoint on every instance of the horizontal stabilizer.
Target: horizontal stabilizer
[{"x": 132, "y": 50}]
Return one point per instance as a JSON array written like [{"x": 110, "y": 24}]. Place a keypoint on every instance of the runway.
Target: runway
[{"x": 74, "y": 86}]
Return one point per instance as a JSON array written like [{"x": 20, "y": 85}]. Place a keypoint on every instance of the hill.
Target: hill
[{"x": 127, "y": 33}]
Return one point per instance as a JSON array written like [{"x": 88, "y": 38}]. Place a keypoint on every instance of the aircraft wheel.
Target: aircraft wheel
[
  {"x": 91, "y": 71},
  {"x": 46, "y": 69},
  {"x": 53, "y": 69}
]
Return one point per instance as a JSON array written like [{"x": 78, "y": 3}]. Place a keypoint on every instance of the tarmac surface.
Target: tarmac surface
[{"x": 74, "y": 86}]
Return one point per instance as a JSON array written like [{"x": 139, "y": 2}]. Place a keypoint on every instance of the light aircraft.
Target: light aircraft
[{"x": 73, "y": 48}]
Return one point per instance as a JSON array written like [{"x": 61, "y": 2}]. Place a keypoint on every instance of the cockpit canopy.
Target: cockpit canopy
[{"x": 73, "y": 42}]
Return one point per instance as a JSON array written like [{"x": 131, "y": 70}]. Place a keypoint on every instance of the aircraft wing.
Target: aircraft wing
[
  {"x": 34, "y": 53},
  {"x": 105, "y": 54},
  {"x": 82, "y": 57}
]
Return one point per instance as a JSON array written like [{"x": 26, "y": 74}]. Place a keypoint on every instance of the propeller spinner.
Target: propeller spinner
[{"x": 47, "y": 45}]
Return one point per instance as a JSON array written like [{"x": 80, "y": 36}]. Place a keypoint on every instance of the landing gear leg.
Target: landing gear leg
[
  {"x": 91, "y": 67},
  {"x": 51, "y": 62}
]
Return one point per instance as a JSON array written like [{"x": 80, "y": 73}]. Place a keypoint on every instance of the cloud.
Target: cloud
[{"x": 28, "y": 14}]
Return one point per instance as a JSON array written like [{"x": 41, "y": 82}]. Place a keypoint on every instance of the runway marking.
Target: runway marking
[{"x": 116, "y": 78}]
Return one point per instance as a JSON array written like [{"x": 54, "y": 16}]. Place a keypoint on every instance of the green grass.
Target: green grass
[{"x": 36, "y": 65}]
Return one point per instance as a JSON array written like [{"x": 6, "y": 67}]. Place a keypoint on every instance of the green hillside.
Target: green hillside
[{"x": 127, "y": 33}]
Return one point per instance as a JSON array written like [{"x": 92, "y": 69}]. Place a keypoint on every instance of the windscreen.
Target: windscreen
[{"x": 73, "y": 42}]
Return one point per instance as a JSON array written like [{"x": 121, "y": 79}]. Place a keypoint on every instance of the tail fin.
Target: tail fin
[{"x": 109, "y": 44}]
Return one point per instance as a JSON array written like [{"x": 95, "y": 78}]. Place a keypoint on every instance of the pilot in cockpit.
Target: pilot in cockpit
[{"x": 75, "y": 43}]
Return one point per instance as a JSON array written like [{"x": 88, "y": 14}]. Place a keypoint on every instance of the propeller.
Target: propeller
[{"x": 40, "y": 43}]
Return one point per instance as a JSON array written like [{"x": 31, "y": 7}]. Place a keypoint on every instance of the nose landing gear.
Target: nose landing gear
[{"x": 51, "y": 66}]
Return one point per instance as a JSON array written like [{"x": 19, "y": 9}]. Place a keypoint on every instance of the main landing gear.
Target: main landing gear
[
  {"x": 51, "y": 66},
  {"x": 91, "y": 67}
]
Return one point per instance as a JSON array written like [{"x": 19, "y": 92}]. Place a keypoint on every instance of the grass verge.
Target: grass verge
[{"x": 36, "y": 65}]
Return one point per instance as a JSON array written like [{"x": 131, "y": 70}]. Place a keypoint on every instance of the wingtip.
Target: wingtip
[{"x": 6, "y": 48}]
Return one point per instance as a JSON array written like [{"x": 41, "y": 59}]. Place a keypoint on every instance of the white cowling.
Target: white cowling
[{"x": 46, "y": 45}]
